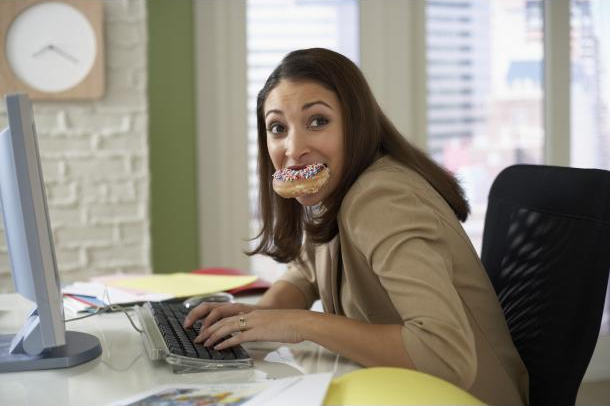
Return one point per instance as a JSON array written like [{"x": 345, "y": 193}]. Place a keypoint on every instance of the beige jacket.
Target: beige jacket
[{"x": 406, "y": 260}]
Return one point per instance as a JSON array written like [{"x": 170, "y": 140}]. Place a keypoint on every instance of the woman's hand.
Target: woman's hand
[
  {"x": 365, "y": 343},
  {"x": 213, "y": 312},
  {"x": 255, "y": 325}
]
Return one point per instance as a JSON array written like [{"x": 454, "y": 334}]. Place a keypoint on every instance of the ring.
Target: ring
[{"x": 242, "y": 324}]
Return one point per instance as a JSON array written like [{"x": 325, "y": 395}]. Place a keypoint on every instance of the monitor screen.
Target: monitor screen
[{"x": 43, "y": 339}]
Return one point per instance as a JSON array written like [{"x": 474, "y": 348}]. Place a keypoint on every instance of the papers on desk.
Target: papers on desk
[
  {"x": 88, "y": 296},
  {"x": 305, "y": 390},
  {"x": 128, "y": 289},
  {"x": 181, "y": 284}
]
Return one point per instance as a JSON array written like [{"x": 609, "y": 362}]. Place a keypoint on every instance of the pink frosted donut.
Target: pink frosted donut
[{"x": 300, "y": 181}]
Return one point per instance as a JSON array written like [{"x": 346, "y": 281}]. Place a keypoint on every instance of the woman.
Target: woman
[{"x": 380, "y": 243}]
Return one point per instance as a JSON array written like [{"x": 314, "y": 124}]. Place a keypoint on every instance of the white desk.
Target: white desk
[{"x": 123, "y": 369}]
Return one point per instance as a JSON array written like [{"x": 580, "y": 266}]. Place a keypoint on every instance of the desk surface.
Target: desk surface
[{"x": 123, "y": 369}]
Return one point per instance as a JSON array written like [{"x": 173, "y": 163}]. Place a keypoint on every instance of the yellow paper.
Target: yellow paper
[
  {"x": 395, "y": 386},
  {"x": 183, "y": 284}
]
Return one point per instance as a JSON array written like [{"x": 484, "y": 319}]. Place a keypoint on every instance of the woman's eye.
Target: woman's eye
[
  {"x": 318, "y": 122},
  {"x": 276, "y": 128}
]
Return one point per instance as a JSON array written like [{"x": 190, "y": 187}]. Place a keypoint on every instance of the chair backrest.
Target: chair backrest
[{"x": 546, "y": 248}]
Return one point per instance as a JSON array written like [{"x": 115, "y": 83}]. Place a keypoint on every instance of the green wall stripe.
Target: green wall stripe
[{"x": 171, "y": 87}]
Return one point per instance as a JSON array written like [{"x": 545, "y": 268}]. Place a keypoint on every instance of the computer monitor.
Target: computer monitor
[{"x": 42, "y": 342}]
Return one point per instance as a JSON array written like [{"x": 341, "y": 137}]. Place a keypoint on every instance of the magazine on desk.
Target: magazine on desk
[{"x": 304, "y": 390}]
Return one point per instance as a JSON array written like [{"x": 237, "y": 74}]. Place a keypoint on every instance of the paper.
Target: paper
[
  {"x": 75, "y": 306},
  {"x": 305, "y": 390},
  {"x": 195, "y": 395},
  {"x": 125, "y": 289},
  {"x": 112, "y": 295},
  {"x": 182, "y": 284}
]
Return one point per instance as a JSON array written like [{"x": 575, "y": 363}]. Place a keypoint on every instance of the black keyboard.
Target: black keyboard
[{"x": 169, "y": 317}]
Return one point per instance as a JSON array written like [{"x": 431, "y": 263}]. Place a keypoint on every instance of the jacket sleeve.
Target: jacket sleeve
[{"x": 402, "y": 238}]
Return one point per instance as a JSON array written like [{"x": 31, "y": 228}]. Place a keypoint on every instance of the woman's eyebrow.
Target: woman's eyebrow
[
  {"x": 305, "y": 107},
  {"x": 273, "y": 111},
  {"x": 308, "y": 105}
]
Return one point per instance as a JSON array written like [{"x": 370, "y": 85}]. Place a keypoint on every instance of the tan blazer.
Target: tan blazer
[{"x": 406, "y": 260}]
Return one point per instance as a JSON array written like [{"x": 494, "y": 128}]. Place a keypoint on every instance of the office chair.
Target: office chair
[{"x": 546, "y": 248}]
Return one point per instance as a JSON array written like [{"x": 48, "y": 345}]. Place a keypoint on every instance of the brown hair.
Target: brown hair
[{"x": 368, "y": 133}]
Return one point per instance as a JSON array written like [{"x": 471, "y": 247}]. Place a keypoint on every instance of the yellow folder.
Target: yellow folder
[
  {"x": 394, "y": 386},
  {"x": 182, "y": 284}
]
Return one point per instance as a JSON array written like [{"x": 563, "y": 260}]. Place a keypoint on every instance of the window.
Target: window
[
  {"x": 275, "y": 28},
  {"x": 485, "y": 92},
  {"x": 590, "y": 93},
  {"x": 590, "y": 90},
  {"x": 484, "y": 81}
]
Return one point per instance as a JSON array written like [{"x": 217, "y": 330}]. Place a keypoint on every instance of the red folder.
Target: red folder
[{"x": 259, "y": 286}]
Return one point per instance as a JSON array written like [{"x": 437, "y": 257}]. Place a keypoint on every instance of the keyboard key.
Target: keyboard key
[
  {"x": 227, "y": 353},
  {"x": 240, "y": 352},
  {"x": 215, "y": 353}
]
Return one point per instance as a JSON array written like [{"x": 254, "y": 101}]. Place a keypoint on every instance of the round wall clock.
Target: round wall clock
[{"x": 52, "y": 50}]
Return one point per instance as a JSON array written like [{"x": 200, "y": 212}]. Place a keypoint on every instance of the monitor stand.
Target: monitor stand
[{"x": 79, "y": 348}]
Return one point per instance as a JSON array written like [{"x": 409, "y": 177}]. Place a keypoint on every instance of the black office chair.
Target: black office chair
[{"x": 546, "y": 248}]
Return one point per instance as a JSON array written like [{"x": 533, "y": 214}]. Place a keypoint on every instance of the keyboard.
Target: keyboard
[{"x": 165, "y": 339}]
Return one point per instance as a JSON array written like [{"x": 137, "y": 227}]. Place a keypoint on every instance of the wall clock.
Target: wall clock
[{"x": 52, "y": 50}]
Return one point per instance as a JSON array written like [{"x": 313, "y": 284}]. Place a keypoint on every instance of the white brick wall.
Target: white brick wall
[{"x": 95, "y": 161}]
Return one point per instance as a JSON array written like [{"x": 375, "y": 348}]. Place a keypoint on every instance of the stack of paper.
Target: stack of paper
[
  {"x": 88, "y": 296},
  {"x": 128, "y": 289},
  {"x": 179, "y": 284}
]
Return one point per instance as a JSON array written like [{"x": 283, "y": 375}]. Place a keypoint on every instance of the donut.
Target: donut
[{"x": 299, "y": 181}]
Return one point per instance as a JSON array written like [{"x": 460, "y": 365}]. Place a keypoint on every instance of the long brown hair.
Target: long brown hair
[{"x": 368, "y": 133}]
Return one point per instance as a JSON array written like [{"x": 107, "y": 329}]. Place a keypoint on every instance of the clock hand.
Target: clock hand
[
  {"x": 42, "y": 50},
  {"x": 57, "y": 50},
  {"x": 63, "y": 53}
]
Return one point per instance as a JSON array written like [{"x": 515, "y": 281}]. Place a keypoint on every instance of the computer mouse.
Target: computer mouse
[{"x": 219, "y": 297}]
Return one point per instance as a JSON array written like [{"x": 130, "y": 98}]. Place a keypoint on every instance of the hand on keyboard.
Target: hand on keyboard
[
  {"x": 180, "y": 341},
  {"x": 212, "y": 312},
  {"x": 279, "y": 325}
]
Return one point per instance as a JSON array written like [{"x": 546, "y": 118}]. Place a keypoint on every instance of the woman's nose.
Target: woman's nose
[{"x": 296, "y": 145}]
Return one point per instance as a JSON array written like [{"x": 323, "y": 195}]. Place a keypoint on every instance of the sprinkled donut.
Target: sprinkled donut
[{"x": 300, "y": 181}]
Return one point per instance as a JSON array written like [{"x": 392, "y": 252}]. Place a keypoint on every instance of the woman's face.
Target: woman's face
[{"x": 305, "y": 126}]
